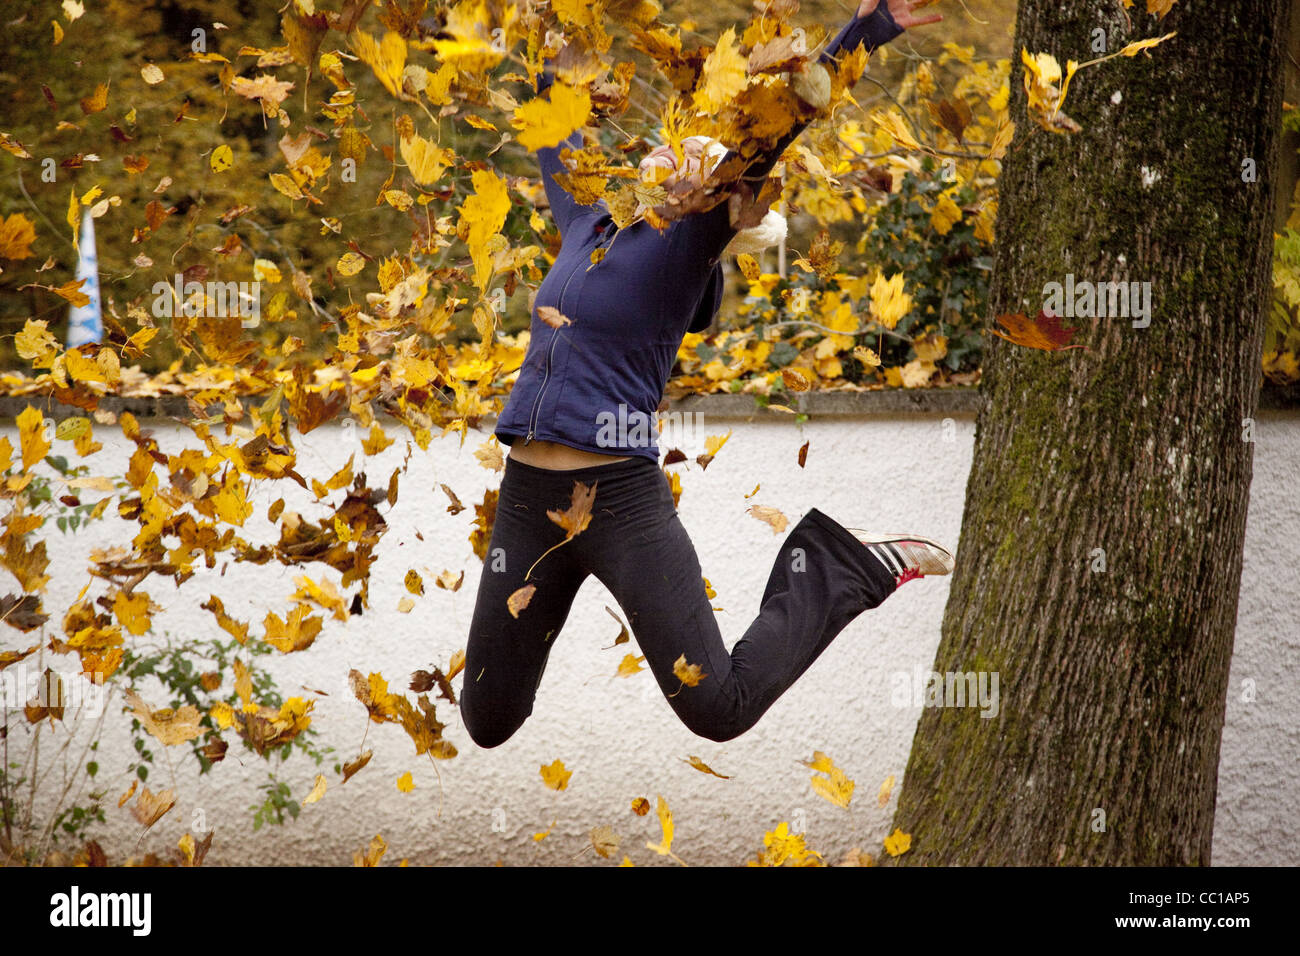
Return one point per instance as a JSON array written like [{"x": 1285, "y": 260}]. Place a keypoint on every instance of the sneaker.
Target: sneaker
[{"x": 906, "y": 556}]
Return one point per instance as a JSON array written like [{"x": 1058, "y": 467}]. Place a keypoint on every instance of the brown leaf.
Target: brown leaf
[
  {"x": 1044, "y": 333},
  {"x": 702, "y": 767},
  {"x": 519, "y": 600},
  {"x": 553, "y": 317},
  {"x": 803, "y": 455},
  {"x": 149, "y": 807},
  {"x": 352, "y": 767},
  {"x": 578, "y": 516},
  {"x": 623, "y": 636}
]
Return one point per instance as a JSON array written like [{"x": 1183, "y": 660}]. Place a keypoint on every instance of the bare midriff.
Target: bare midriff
[{"x": 557, "y": 457}]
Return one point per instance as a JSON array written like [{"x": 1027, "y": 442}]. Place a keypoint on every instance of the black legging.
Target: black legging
[{"x": 636, "y": 546}]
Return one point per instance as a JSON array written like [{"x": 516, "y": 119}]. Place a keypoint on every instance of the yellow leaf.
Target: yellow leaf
[
  {"x": 629, "y": 665},
  {"x": 285, "y": 185},
  {"x": 317, "y": 791},
  {"x": 425, "y": 160},
  {"x": 36, "y": 344},
  {"x": 724, "y": 75},
  {"x": 688, "y": 674},
  {"x": 544, "y": 123},
  {"x": 17, "y": 233},
  {"x": 555, "y": 776},
  {"x": 898, "y": 843},
  {"x": 946, "y": 214},
  {"x": 222, "y": 158},
  {"x": 1133, "y": 49},
  {"x": 665, "y": 846},
  {"x": 31, "y": 435},
  {"x": 386, "y": 57},
  {"x": 152, "y": 75},
  {"x": 886, "y": 789},
  {"x": 405, "y": 783},
  {"x": 483, "y": 214},
  {"x": 350, "y": 264}
]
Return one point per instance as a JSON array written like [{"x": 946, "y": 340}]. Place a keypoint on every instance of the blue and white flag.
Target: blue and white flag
[{"x": 86, "y": 322}]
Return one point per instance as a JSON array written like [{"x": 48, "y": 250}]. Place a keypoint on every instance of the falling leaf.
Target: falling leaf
[
  {"x": 17, "y": 233},
  {"x": 317, "y": 791},
  {"x": 544, "y": 123},
  {"x": 803, "y": 455},
  {"x": 490, "y": 457},
  {"x": 772, "y": 516},
  {"x": 665, "y": 846},
  {"x": 898, "y": 843},
  {"x": 1045, "y": 332},
  {"x": 414, "y": 583},
  {"x": 575, "y": 520},
  {"x": 623, "y": 636},
  {"x": 222, "y": 159},
  {"x": 520, "y": 598},
  {"x": 640, "y": 806},
  {"x": 688, "y": 674},
  {"x": 712, "y": 445},
  {"x": 629, "y": 665},
  {"x": 724, "y": 75},
  {"x": 149, "y": 807},
  {"x": 170, "y": 727},
  {"x": 702, "y": 767},
  {"x": 405, "y": 783},
  {"x": 151, "y": 74},
  {"x": 553, "y": 317},
  {"x": 353, "y": 766},
  {"x": 555, "y": 776},
  {"x": 604, "y": 841},
  {"x": 836, "y": 786},
  {"x": 886, "y": 789}
]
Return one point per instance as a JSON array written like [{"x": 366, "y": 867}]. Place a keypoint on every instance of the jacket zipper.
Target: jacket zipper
[{"x": 537, "y": 402}]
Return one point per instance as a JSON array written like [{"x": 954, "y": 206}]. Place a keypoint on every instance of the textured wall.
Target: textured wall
[{"x": 619, "y": 737}]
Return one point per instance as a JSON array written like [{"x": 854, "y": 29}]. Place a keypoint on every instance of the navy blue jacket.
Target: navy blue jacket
[{"x": 596, "y": 384}]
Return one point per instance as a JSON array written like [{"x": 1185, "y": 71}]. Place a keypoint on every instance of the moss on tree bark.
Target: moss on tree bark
[{"x": 1113, "y": 683}]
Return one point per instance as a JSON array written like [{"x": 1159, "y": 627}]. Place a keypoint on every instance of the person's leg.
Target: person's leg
[
  {"x": 822, "y": 578},
  {"x": 506, "y": 656}
]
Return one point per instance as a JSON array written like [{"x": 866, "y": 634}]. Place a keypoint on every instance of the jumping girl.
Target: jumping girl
[{"x": 629, "y": 313}]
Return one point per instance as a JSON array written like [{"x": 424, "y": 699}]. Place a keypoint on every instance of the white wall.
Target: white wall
[{"x": 619, "y": 737}]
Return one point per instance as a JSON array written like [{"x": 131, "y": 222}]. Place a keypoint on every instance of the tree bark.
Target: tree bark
[{"x": 1112, "y": 683}]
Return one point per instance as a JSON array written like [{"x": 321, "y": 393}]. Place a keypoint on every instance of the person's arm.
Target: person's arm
[
  {"x": 564, "y": 209},
  {"x": 708, "y": 233}
]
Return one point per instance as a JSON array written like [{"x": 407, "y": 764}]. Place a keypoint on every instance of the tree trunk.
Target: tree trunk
[{"x": 1100, "y": 555}]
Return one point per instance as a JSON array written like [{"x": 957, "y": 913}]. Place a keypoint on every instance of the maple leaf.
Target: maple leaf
[
  {"x": 483, "y": 215},
  {"x": 724, "y": 75},
  {"x": 688, "y": 674},
  {"x": 898, "y": 843},
  {"x": 544, "y": 123},
  {"x": 575, "y": 520},
  {"x": 555, "y": 776},
  {"x": 712, "y": 445},
  {"x": 17, "y": 233},
  {"x": 1044, "y": 333},
  {"x": 629, "y": 665}
]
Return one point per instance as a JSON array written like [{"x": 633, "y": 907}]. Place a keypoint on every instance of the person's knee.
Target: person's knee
[{"x": 487, "y": 732}]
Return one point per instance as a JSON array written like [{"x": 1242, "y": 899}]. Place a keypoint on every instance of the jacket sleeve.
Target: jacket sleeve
[
  {"x": 564, "y": 209},
  {"x": 706, "y": 234}
]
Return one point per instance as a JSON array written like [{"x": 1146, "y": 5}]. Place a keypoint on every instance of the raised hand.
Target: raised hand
[{"x": 901, "y": 11}]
